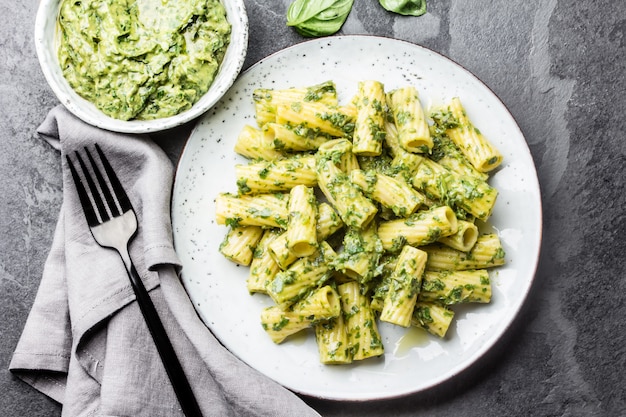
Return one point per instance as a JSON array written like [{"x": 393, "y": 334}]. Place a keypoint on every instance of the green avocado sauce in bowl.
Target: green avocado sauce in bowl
[
  {"x": 140, "y": 65},
  {"x": 142, "y": 59}
]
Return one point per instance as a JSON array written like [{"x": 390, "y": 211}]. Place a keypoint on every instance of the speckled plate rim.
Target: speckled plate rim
[
  {"x": 45, "y": 40},
  {"x": 217, "y": 287}
]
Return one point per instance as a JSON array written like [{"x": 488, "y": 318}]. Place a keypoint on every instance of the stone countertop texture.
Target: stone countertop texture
[{"x": 558, "y": 65}]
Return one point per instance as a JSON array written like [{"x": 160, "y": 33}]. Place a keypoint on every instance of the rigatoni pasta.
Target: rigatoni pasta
[
  {"x": 276, "y": 175},
  {"x": 240, "y": 242},
  {"x": 265, "y": 210},
  {"x": 369, "y": 128},
  {"x": 283, "y": 137},
  {"x": 393, "y": 193},
  {"x": 361, "y": 253},
  {"x": 350, "y": 215},
  {"x": 410, "y": 120},
  {"x": 404, "y": 286},
  {"x": 464, "y": 238},
  {"x": 302, "y": 222},
  {"x": 267, "y": 100},
  {"x": 333, "y": 120},
  {"x": 433, "y": 317},
  {"x": 328, "y": 222},
  {"x": 364, "y": 340},
  {"x": 486, "y": 253},
  {"x": 469, "y": 194},
  {"x": 448, "y": 155},
  {"x": 455, "y": 287},
  {"x": 255, "y": 143},
  {"x": 263, "y": 267},
  {"x": 320, "y": 305},
  {"x": 332, "y": 341},
  {"x": 419, "y": 229},
  {"x": 476, "y": 148},
  {"x": 302, "y": 276},
  {"x": 339, "y": 151},
  {"x": 353, "y": 207}
]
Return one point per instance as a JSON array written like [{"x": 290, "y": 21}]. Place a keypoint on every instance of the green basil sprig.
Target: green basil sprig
[
  {"x": 405, "y": 7},
  {"x": 318, "y": 18}
]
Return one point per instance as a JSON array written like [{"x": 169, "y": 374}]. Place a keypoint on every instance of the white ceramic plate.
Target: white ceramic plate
[
  {"x": 413, "y": 360},
  {"x": 46, "y": 46}
]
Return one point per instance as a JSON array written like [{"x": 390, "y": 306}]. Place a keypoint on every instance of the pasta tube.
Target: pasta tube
[
  {"x": 239, "y": 243},
  {"x": 353, "y": 207},
  {"x": 256, "y": 144},
  {"x": 448, "y": 155},
  {"x": 263, "y": 268},
  {"x": 404, "y": 165},
  {"x": 433, "y": 317},
  {"x": 340, "y": 152},
  {"x": 376, "y": 304},
  {"x": 363, "y": 337},
  {"x": 322, "y": 304},
  {"x": 470, "y": 194},
  {"x": 266, "y": 100},
  {"x": 278, "y": 175},
  {"x": 280, "y": 324},
  {"x": 392, "y": 193},
  {"x": 334, "y": 120},
  {"x": 369, "y": 128},
  {"x": 409, "y": 117},
  {"x": 380, "y": 164},
  {"x": 380, "y": 289},
  {"x": 266, "y": 210},
  {"x": 331, "y": 337},
  {"x": 361, "y": 252},
  {"x": 404, "y": 286},
  {"x": 464, "y": 238},
  {"x": 486, "y": 253},
  {"x": 421, "y": 228},
  {"x": 301, "y": 226},
  {"x": 302, "y": 276},
  {"x": 478, "y": 150},
  {"x": 392, "y": 141},
  {"x": 454, "y": 287},
  {"x": 294, "y": 138},
  {"x": 328, "y": 222}
]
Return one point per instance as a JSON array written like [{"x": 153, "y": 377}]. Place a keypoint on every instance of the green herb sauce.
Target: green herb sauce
[{"x": 142, "y": 59}]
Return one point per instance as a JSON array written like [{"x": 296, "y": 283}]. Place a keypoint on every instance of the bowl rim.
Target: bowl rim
[{"x": 228, "y": 72}]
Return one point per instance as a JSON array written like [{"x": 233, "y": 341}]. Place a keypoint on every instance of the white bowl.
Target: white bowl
[{"x": 46, "y": 47}]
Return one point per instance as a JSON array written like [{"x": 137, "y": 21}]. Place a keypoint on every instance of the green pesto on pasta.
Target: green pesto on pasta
[{"x": 357, "y": 213}]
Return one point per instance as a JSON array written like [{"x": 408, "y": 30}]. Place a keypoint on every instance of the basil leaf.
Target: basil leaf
[
  {"x": 318, "y": 17},
  {"x": 405, "y": 7}
]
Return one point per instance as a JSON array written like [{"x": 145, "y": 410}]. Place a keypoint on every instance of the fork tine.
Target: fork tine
[
  {"x": 104, "y": 215},
  {"x": 118, "y": 189},
  {"x": 106, "y": 192},
  {"x": 90, "y": 214}
]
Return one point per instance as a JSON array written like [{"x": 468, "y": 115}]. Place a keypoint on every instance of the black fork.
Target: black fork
[{"x": 113, "y": 224}]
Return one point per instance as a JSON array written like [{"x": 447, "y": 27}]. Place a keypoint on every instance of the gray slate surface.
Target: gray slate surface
[{"x": 557, "y": 65}]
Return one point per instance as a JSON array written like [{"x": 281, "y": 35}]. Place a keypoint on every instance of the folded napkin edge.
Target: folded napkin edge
[
  {"x": 103, "y": 308},
  {"x": 53, "y": 361},
  {"x": 46, "y": 372},
  {"x": 161, "y": 254}
]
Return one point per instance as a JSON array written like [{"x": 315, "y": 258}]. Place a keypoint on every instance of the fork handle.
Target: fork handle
[{"x": 174, "y": 370}]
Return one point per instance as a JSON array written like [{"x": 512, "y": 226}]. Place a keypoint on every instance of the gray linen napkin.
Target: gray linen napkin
[{"x": 85, "y": 343}]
